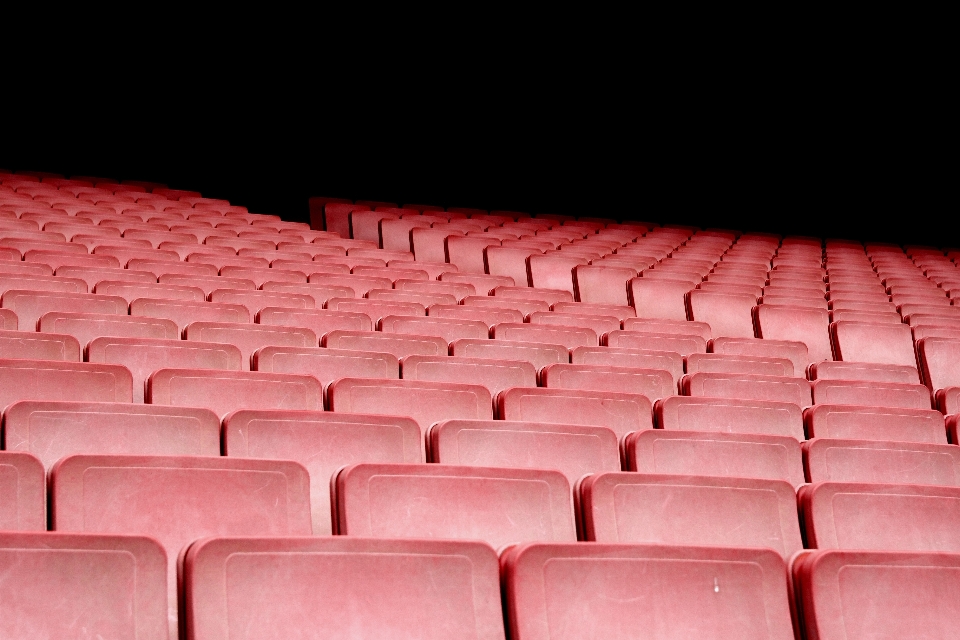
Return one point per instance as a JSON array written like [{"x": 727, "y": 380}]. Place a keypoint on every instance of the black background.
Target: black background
[{"x": 831, "y": 159}]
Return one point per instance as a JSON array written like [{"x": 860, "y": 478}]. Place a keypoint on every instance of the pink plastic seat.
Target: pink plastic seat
[
  {"x": 789, "y": 323},
  {"x": 730, "y": 415},
  {"x": 747, "y": 387},
  {"x": 183, "y": 312},
  {"x": 875, "y": 423},
  {"x": 226, "y": 391},
  {"x": 447, "y": 329},
  {"x": 884, "y": 594},
  {"x": 484, "y": 284},
  {"x": 830, "y": 460},
  {"x": 575, "y": 450},
  {"x": 487, "y": 315},
  {"x": 863, "y": 371},
  {"x": 51, "y": 380},
  {"x": 23, "y": 506},
  {"x": 496, "y": 505},
  {"x": 398, "y": 345},
  {"x": 248, "y": 338},
  {"x": 682, "y": 344},
  {"x": 729, "y": 315},
  {"x": 632, "y": 358},
  {"x": 877, "y": 343},
  {"x": 177, "y": 499},
  {"x": 30, "y": 305},
  {"x": 524, "y": 306},
  {"x": 52, "y": 430},
  {"x": 796, "y": 352},
  {"x": 574, "y": 591},
  {"x": 376, "y": 309},
  {"x": 550, "y": 296},
  {"x": 621, "y": 412},
  {"x": 537, "y": 354},
  {"x": 425, "y": 402},
  {"x": 881, "y": 517},
  {"x": 21, "y": 345},
  {"x": 602, "y": 284},
  {"x": 130, "y": 291},
  {"x": 669, "y": 327},
  {"x": 569, "y": 337},
  {"x": 599, "y": 324},
  {"x": 722, "y": 363},
  {"x": 323, "y": 443},
  {"x": 347, "y": 587},
  {"x": 871, "y": 394},
  {"x": 326, "y": 365},
  {"x": 704, "y": 453},
  {"x": 653, "y": 383},
  {"x": 495, "y": 375},
  {"x": 691, "y": 510},
  {"x": 106, "y": 586},
  {"x": 87, "y": 326},
  {"x": 254, "y": 301}
]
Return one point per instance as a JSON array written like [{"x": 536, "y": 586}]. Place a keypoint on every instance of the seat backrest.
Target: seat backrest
[
  {"x": 177, "y": 499},
  {"x": 653, "y": 383},
  {"x": 723, "y": 363},
  {"x": 730, "y": 415},
  {"x": 574, "y": 450},
  {"x": 728, "y": 314},
  {"x": 226, "y": 391},
  {"x": 695, "y": 510},
  {"x": 248, "y": 338},
  {"x": 52, "y": 430},
  {"x": 747, "y": 387},
  {"x": 884, "y": 594},
  {"x": 705, "y": 453},
  {"x": 579, "y": 590},
  {"x": 30, "y": 305},
  {"x": 493, "y": 374},
  {"x": 939, "y": 362},
  {"x": 888, "y": 517},
  {"x": 621, "y": 412},
  {"x": 39, "y": 346},
  {"x": 830, "y": 460},
  {"x": 108, "y": 586},
  {"x": 570, "y": 337},
  {"x": 445, "y": 328},
  {"x": 796, "y": 324},
  {"x": 794, "y": 351},
  {"x": 886, "y": 343},
  {"x": 871, "y": 394},
  {"x": 874, "y": 423},
  {"x": 397, "y": 345},
  {"x": 537, "y": 354},
  {"x": 326, "y": 365},
  {"x": 23, "y": 487},
  {"x": 346, "y": 586},
  {"x": 499, "y": 506},
  {"x": 184, "y": 312},
  {"x": 836, "y": 370},
  {"x": 51, "y": 380},
  {"x": 322, "y": 442},
  {"x": 424, "y": 402}
]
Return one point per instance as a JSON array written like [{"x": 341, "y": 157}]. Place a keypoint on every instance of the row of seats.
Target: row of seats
[
  {"x": 245, "y": 376},
  {"x": 255, "y": 587}
]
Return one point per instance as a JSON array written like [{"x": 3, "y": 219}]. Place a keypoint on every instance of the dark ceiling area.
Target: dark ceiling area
[{"x": 781, "y": 177}]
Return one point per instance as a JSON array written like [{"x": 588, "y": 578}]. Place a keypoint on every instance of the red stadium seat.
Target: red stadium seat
[
  {"x": 376, "y": 309},
  {"x": 747, "y": 387},
  {"x": 722, "y": 363},
  {"x": 730, "y": 415},
  {"x": 877, "y": 343},
  {"x": 498, "y": 506},
  {"x": 323, "y": 443},
  {"x": 22, "y": 345},
  {"x": 569, "y": 337},
  {"x": 226, "y": 391},
  {"x": 729, "y": 315},
  {"x": 24, "y": 497},
  {"x": 830, "y": 460},
  {"x": 796, "y": 352},
  {"x": 537, "y": 354},
  {"x": 875, "y": 423},
  {"x": 487, "y": 315},
  {"x": 346, "y": 587},
  {"x": 326, "y": 365},
  {"x": 320, "y": 321},
  {"x": 600, "y": 284},
  {"x": 553, "y": 271},
  {"x": 574, "y": 450},
  {"x": 177, "y": 499},
  {"x": 57, "y": 585},
  {"x": 425, "y": 402},
  {"x": 863, "y": 371},
  {"x": 621, "y": 412},
  {"x": 702, "y": 453},
  {"x": 504, "y": 261},
  {"x": 682, "y": 344},
  {"x": 550, "y": 296},
  {"x": 794, "y": 324},
  {"x": 52, "y": 430},
  {"x": 653, "y": 383},
  {"x": 554, "y": 591},
  {"x": 691, "y": 510},
  {"x": 444, "y": 328},
  {"x": 848, "y": 594},
  {"x": 493, "y": 374},
  {"x": 871, "y": 394},
  {"x": 484, "y": 284},
  {"x": 525, "y": 307},
  {"x": 30, "y": 305},
  {"x": 248, "y": 338},
  {"x": 634, "y": 358},
  {"x": 319, "y": 293},
  {"x": 599, "y": 324},
  {"x": 183, "y": 312},
  {"x": 671, "y": 327},
  {"x": 51, "y": 380},
  {"x": 87, "y": 326},
  {"x": 398, "y": 345},
  {"x": 881, "y": 517},
  {"x": 425, "y": 299},
  {"x": 130, "y": 291},
  {"x": 29, "y": 282}
]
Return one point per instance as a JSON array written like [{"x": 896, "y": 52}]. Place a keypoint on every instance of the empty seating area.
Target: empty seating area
[{"x": 416, "y": 421}]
